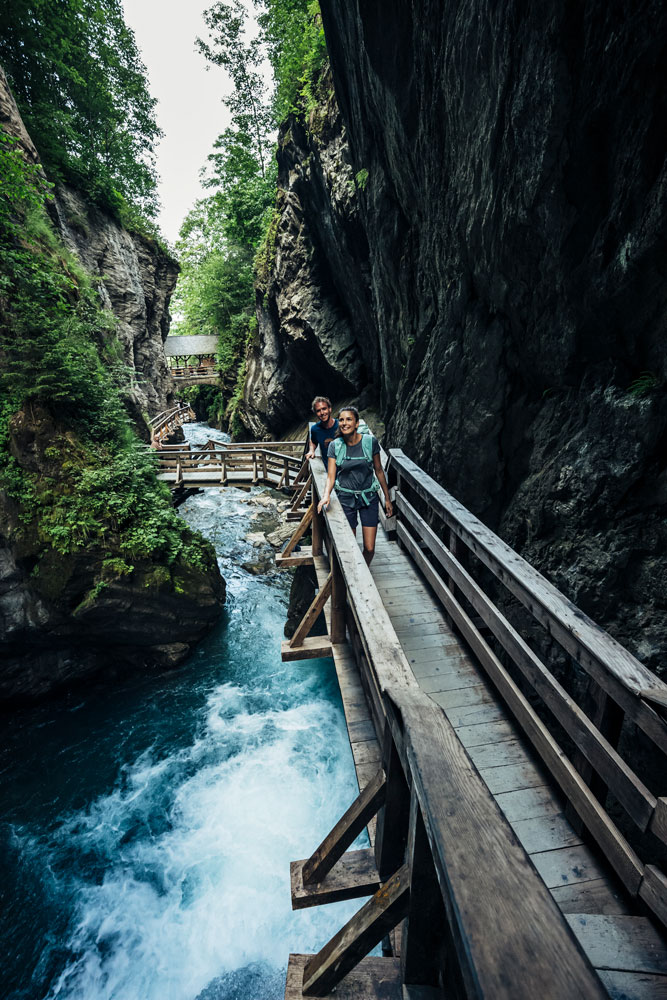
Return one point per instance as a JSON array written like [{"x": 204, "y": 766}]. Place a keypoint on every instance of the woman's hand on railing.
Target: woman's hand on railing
[
  {"x": 388, "y": 507},
  {"x": 323, "y": 504}
]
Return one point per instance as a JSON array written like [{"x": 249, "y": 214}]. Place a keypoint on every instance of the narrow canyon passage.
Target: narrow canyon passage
[{"x": 147, "y": 826}]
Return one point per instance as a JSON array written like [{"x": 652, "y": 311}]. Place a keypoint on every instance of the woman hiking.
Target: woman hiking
[{"x": 355, "y": 470}]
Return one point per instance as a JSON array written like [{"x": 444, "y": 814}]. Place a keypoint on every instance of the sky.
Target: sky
[{"x": 189, "y": 111}]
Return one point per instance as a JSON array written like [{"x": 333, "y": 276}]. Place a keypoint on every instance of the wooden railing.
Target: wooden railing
[
  {"x": 194, "y": 371},
  {"x": 228, "y": 465},
  {"x": 164, "y": 423},
  {"x": 477, "y": 920},
  {"x": 473, "y": 573}
]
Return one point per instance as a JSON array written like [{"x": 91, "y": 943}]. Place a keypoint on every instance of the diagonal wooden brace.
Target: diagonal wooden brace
[
  {"x": 312, "y": 613},
  {"x": 300, "y": 531},
  {"x": 353, "y": 941},
  {"x": 346, "y": 830},
  {"x": 301, "y": 495}
]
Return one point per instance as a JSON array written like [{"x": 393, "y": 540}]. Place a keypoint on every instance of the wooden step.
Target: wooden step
[
  {"x": 302, "y": 558},
  {"x": 353, "y": 875},
  {"x": 372, "y": 979},
  {"x": 313, "y": 647}
]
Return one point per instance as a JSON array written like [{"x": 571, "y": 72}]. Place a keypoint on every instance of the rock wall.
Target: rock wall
[
  {"x": 136, "y": 280},
  {"x": 509, "y": 248},
  {"x": 66, "y": 618}
]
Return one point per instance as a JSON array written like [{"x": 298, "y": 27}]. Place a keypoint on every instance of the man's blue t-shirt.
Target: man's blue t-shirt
[{"x": 322, "y": 436}]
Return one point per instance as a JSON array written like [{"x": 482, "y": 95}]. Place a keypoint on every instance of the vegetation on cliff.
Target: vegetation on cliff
[
  {"x": 73, "y": 475},
  {"x": 226, "y": 239},
  {"x": 80, "y": 85}
]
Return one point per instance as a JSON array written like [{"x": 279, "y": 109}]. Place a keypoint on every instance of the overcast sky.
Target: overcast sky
[{"x": 189, "y": 110}]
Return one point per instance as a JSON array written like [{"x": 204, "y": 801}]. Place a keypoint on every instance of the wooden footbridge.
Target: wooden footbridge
[{"x": 501, "y": 800}]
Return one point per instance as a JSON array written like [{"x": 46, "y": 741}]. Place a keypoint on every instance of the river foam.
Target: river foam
[{"x": 159, "y": 845}]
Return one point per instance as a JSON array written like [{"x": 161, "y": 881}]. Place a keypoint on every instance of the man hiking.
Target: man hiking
[{"x": 324, "y": 431}]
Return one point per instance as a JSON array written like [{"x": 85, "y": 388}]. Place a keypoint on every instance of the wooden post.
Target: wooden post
[
  {"x": 254, "y": 467},
  {"x": 223, "y": 470},
  {"x": 286, "y": 471},
  {"x": 338, "y": 599},
  {"x": 316, "y": 529},
  {"x": 423, "y": 935},
  {"x": 264, "y": 473},
  {"x": 392, "y": 824}
]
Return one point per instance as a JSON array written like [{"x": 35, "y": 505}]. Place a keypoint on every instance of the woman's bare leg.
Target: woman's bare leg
[{"x": 369, "y": 543}]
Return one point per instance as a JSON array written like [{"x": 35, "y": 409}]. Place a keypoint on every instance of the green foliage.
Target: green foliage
[
  {"x": 80, "y": 85},
  {"x": 266, "y": 254},
  {"x": 646, "y": 383},
  {"x": 293, "y": 33},
  {"x": 97, "y": 484},
  {"x": 361, "y": 179}
]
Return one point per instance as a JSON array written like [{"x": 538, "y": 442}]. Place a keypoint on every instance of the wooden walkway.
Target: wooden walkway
[
  {"x": 495, "y": 869},
  {"x": 609, "y": 900}
]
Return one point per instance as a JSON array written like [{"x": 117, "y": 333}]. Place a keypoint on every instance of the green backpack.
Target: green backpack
[{"x": 367, "y": 445}]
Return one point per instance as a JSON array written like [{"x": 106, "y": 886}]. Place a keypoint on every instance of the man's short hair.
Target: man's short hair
[{"x": 320, "y": 399}]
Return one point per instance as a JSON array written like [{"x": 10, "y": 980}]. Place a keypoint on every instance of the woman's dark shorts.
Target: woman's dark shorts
[{"x": 369, "y": 516}]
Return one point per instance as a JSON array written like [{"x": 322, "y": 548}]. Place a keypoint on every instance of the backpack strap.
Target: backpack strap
[{"x": 341, "y": 450}]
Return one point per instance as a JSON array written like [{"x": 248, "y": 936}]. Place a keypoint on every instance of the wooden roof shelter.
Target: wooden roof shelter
[{"x": 188, "y": 347}]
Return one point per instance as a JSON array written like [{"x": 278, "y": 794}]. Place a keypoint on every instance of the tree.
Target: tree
[{"x": 78, "y": 79}]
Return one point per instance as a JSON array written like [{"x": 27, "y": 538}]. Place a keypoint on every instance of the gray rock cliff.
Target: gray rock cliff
[{"x": 506, "y": 292}]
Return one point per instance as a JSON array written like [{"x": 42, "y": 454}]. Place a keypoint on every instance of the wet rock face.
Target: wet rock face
[
  {"x": 513, "y": 222},
  {"x": 136, "y": 281},
  {"x": 313, "y": 305}
]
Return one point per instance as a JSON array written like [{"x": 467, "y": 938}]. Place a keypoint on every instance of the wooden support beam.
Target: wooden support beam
[
  {"x": 392, "y": 824},
  {"x": 312, "y": 614},
  {"x": 302, "y": 558},
  {"x": 423, "y": 936},
  {"x": 338, "y": 600},
  {"x": 362, "y": 933},
  {"x": 301, "y": 494},
  {"x": 346, "y": 830},
  {"x": 372, "y": 979},
  {"x": 315, "y": 647},
  {"x": 353, "y": 875},
  {"x": 300, "y": 531}
]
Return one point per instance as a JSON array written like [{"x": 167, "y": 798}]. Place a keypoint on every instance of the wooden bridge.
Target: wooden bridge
[
  {"x": 499, "y": 865},
  {"x": 499, "y": 799}
]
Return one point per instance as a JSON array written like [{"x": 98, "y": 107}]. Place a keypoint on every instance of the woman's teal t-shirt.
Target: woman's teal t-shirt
[{"x": 355, "y": 472}]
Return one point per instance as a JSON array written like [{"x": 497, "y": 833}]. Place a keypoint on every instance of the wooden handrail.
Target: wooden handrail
[
  {"x": 501, "y": 915},
  {"x": 619, "y": 675},
  {"x": 582, "y": 638}
]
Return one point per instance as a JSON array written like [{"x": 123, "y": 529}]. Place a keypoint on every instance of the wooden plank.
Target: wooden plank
[
  {"x": 466, "y": 828},
  {"x": 303, "y": 558},
  {"x": 595, "y": 896},
  {"x": 566, "y": 866},
  {"x": 373, "y": 979},
  {"x": 354, "y": 875},
  {"x": 614, "y": 668},
  {"x": 624, "y": 860},
  {"x": 653, "y": 891},
  {"x": 489, "y": 732},
  {"x": 367, "y": 753},
  {"x": 478, "y": 694},
  {"x": 314, "y": 647},
  {"x": 629, "y": 944},
  {"x": 511, "y": 777},
  {"x": 631, "y": 792},
  {"x": 498, "y": 754},
  {"x": 361, "y": 731},
  {"x": 546, "y": 833},
  {"x": 366, "y": 929},
  {"x": 634, "y": 985},
  {"x": 312, "y": 614},
  {"x": 448, "y": 681},
  {"x": 526, "y": 803},
  {"x": 346, "y": 830}
]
